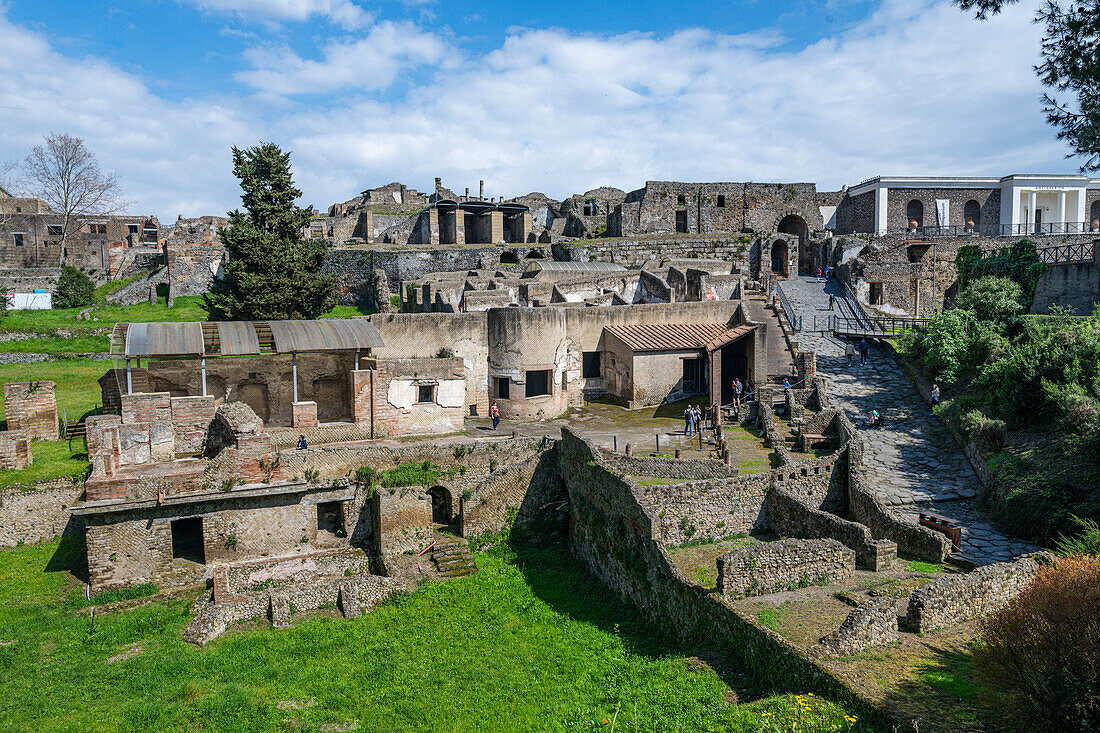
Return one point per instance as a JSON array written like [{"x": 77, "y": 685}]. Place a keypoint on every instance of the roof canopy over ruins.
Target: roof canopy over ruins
[{"x": 241, "y": 338}]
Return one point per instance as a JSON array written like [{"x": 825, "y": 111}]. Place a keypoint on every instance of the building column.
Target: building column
[
  {"x": 496, "y": 224},
  {"x": 294, "y": 373},
  {"x": 1030, "y": 218},
  {"x": 882, "y": 196},
  {"x": 1062, "y": 211}
]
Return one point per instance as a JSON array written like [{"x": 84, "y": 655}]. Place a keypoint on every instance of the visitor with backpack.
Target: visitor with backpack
[
  {"x": 689, "y": 420},
  {"x": 737, "y": 389},
  {"x": 864, "y": 349},
  {"x": 935, "y": 396},
  {"x": 494, "y": 413}
]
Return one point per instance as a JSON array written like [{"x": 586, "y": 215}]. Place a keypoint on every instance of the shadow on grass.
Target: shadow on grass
[
  {"x": 71, "y": 555},
  {"x": 563, "y": 583},
  {"x": 944, "y": 694}
]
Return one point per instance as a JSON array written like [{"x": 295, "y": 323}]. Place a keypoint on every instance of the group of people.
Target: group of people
[
  {"x": 862, "y": 348},
  {"x": 742, "y": 392},
  {"x": 693, "y": 419},
  {"x": 818, "y": 275}
]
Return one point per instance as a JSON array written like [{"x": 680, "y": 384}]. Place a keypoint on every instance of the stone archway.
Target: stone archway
[
  {"x": 792, "y": 222},
  {"x": 780, "y": 257}
]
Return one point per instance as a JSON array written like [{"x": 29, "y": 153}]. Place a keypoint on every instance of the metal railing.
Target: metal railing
[
  {"x": 793, "y": 318},
  {"x": 860, "y": 312},
  {"x": 953, "y": 230},
  {"x": 877, "y": 326},
  {"x": 1066, "y": 253},
  {"x": 1046, "y": 228}
]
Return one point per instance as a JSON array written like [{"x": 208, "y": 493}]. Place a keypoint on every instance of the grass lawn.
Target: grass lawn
[
  {"x": 57, "y": 345},
  {"x": 76, "y": 390},
  {"x": 528, "y": 644},
  {"x": 52, "y": 459},
  {"x": 48, "y": 321}
]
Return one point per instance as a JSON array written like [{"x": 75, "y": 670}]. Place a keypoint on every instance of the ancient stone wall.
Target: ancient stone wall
[
  {"x": 867, "y": 626},
  {"x": 192, "y": 269},
  {"x": 523, "y": 490},
  {"x": 28, "y": 517},
  {"x": 667, "y": 467},
  {"x": 706, "y": 510},
  {"x": 32, "y": 407},
  {"x": 960, "y": 597},
  {"x": 774, "y": 566},
  {"x": 15, "y": 449},
  {"x": 1075, "y": 286},
  {"x": 404, "y": 519}
]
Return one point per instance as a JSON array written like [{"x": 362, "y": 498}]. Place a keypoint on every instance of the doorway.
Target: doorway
[
  {"x": 187, "y": 541},
  {"x": 442, "y": 506}
]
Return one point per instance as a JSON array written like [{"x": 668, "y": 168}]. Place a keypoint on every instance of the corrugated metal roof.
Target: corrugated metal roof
[
  {"x": 236, "y": 338},
  {"x": 330, "y": 334},
  {"x": 555, "y": 266},
  {"x": 667, "y": 337},
  {"x": 164, "y": 339},
  {"x": 729, "y": 336}
]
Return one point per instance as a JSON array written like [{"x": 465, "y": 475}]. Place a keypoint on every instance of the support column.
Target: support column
[
  {"x": 203, "y": 361},
  {"x": 496, "y": 227},
  {"x": 882, "y": 197},
  {"x": 129, "y": 379},
  {"x": 294, "y": 373},
  {"x": 1062, "y": 211},
  {"x": 1030, "y": 219}
]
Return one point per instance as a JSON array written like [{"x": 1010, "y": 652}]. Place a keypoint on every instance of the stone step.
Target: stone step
[
  {"x": 280, "y": 611},
  {"x": 348, "y": 600},
  {"x": 456, "y": 563},
  {"x": 463, "y": 550},
  {"x": 449, "y": 543},
  {"x": 458, "y": 573}
]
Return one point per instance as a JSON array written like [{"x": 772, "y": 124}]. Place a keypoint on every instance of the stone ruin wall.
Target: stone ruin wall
[
  {"x": 775, "y": 566},
  {"x": 32, "y": 408}
]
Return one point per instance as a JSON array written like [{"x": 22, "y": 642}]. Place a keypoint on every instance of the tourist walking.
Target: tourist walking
[
  {"x": 849, "y": 351},
  {"x": 864, "y": 349},
  {"x": 494, "y": 413},
  {"x": 935, "y": 396},
  {"x": 697, "y": 418},
  {"x": 302, "y": 442},
  {"x": 689, "y": 420},
  {"x": 737, "y": 389},
  {"x": 786, "y": 383},
  {"x": 826, "y": 273},
  {"x": 817, "y": 274}
]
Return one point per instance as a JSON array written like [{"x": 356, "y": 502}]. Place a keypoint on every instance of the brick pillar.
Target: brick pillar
[
  {"x": 304, "y": 414},
  {"x": 460, "y": 226},
  {"x": 526, "y": 226},
  {"x": 362, "y": 399},
  {"x": 716, "y": 377},
  {"x": 366, "y": 226},
  {"x": 433, "y": 225},
  {"x": 807, "y": 366},
  {"x": 32, "y": 406},
  {"x": 496, "y": 224}
]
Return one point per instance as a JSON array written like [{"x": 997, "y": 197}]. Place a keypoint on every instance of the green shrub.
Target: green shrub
[
  {"x": 123, "y": 594},
  {"x": 989, "y": 433},
  {"x": 991, "y": 298},
  {"x": 1085, "y": 542},
  {"x": 74, "y": 289},
  {"x": 411, "y": 474},
  {"x": 366, "y": 475}
]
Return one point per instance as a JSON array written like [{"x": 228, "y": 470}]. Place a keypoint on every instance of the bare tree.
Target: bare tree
[
  {"x": 7, "y": 187},
  {"x": 65, "y": 174}
]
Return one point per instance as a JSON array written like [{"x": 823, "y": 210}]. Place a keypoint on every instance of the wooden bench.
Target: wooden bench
[{"x": 944, "y": 525}]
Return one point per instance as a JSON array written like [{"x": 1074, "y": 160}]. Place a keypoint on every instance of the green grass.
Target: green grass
[
  {"x": 77, "y": 390},
  {"x": 52, "y": 460},
  {"x": 349, "y": 311},
  {"x": 920, "y": 566},
  {"x": 48, "y": 321},
  {"x": 57, "y": 345},
  {"x": 772, "y": 617},
  {"x": 525, "y": 644},
  {"x": 124, "y": 594},
  {"x": 411, "y": 474}
]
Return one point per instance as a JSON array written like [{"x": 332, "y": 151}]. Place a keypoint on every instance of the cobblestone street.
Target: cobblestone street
[{"x": 912, "y": 461}]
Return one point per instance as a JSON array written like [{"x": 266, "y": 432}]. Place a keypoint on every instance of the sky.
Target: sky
[{"x": 558, "y": 97}]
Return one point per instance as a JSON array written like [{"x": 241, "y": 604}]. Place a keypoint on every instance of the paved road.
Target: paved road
[{"x": 913, "y": 462}]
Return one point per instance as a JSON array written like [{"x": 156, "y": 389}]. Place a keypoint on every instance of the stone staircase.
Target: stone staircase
[{"x": 452, "y": 557}]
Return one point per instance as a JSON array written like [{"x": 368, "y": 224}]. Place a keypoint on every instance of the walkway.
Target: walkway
[{"x": 913, "y": 461}]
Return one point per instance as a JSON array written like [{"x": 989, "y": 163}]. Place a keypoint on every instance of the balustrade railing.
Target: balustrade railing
[{"x": 793, "y": 318}]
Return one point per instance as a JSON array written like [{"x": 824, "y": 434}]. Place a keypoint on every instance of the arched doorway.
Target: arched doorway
[
  {"x": 914, "y": 214},
  {"x": 779, "y": 257},
  {"x": 442, "y": 505},
  {"x": 972, "y": 217},
  {"x": 795, "y": 224}
]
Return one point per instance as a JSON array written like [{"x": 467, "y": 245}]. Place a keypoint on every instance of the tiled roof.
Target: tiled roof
[
  {"x": 668, "y": 337},
  {"x": 729, "y": 336}
]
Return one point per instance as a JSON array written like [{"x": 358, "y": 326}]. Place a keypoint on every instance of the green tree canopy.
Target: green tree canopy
[
  {"x": 74, "y": 289},
  {"x": 991, "y": 298},
  {"x": 274, "y": 272}
]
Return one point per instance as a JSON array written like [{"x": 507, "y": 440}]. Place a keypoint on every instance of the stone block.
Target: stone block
[
  {"x": 867, "y": 626},
  {"x": 305, "y": 414},
  {"x": 32, "y": 407}
]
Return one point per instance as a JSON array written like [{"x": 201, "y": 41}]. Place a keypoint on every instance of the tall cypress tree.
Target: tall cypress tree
[{"x": 274, "y": 272}]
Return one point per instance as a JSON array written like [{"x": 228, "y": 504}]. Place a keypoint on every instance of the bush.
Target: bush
[
  {"x": 989, "y": 433},
  {"x": 366, "y": 476},
  {"x": 74, "y": 289},
  {"x": 1043, "y": 648},
  {"x": 1085, "y": 542},
  {"x": 991, "y": 299},
  {"x": 411, "y": 474},
  {"x": 947, "y": 345}
]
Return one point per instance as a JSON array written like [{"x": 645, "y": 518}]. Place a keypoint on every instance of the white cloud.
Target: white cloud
[
  {"x": 918, "y": 88},
  {"x": 342, "y": 12},
  {"x": 371, "y": 62}
]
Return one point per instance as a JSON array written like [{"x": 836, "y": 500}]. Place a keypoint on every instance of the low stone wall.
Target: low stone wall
[
  {"x": 28, "y": 517},
  {"x": 706, "y": 510},
  {"x": 253, "y": 575},
  {"x": 789, "y": 516},
  {"x": 519, "y": 492},
  {"x": 957, "y": 598},
  {"x": 867, "y": 626},
  {"x": 614, "y": 535},
  {"x": 667, "y": 467},
  {"x": 775, "y": 566},
  {"x": 360, "y": 593}
]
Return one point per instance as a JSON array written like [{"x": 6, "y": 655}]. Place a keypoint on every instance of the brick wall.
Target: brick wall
[
  {"x": 191, "y": 418},
  {"x": 32, "y": 407},
  {"x": 15, "y": 449}
]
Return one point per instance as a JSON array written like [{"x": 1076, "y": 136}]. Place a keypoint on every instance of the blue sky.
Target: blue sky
[{"x": 559, "y": 97}]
